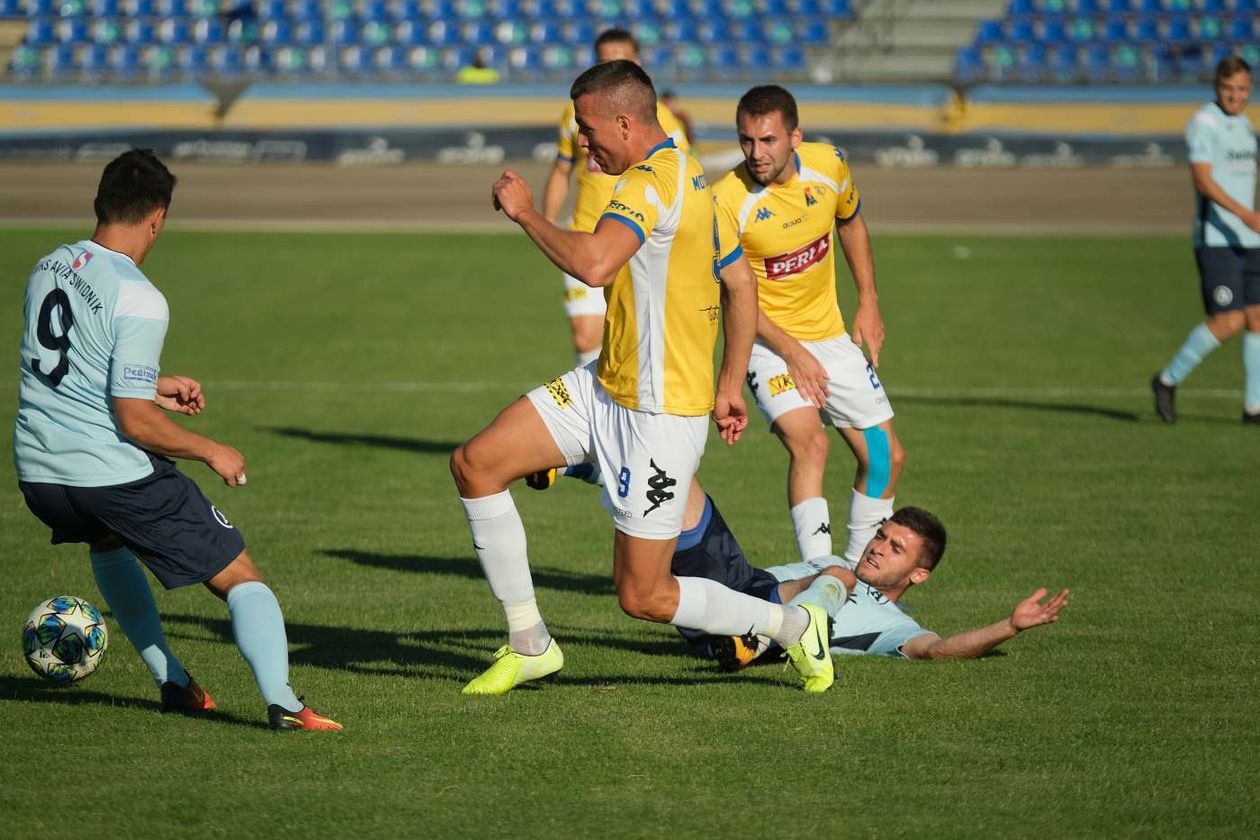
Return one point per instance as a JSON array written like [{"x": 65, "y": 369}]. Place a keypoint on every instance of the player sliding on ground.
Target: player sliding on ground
[
  {"x": 93, "y": 450},
  {"x": 861, "y": 600},
  {"x": 641, "y": 411}
]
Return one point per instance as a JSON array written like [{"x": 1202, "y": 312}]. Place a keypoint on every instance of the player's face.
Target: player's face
[
  {"x": 769, "y": 148},
  {"x": 602, "y": 134},
  {"x": 616, "y": 51},
  {"x": 1232, "y": 93},
  {"x": 891, "y": 558}
]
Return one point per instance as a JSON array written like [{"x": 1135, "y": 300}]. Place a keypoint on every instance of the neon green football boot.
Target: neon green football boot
[
  {"x": 510, "y": 669},
  {"x": 811, "y": 656}
]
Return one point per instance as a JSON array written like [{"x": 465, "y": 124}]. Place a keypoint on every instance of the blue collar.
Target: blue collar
[{"x": 667, "y": 143}]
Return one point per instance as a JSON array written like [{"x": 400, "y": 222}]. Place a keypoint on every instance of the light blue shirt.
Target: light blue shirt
[
  {"x": 870, "y": 624},
  {"x": 1229, "y": 145},
  {"x": 94, "y": 331}
]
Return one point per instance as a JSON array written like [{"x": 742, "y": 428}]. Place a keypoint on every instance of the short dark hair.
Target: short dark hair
[
  {"x": 133, "y": 185},
  {"x": 616, "y": 35},
  {"x": 766, "y": 99},
  {"x": 929, "y": 528},
  {"x": 1230, "y": 65},
  {"x": 625, "y": 80}
]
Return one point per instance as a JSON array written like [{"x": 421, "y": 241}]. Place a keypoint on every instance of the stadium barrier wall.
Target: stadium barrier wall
[{"x": 75, "y": 108}]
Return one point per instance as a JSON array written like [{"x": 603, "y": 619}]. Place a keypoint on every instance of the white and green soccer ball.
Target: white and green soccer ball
[{"x": 64, "y": 639}]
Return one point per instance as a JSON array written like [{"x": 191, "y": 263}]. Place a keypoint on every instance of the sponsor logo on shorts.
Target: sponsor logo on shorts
[
  {"x": 658, "y": 488},
  {"x": 559, "y": 393},
  {"x": 219, "y": 517},
  {"x": 781, "y": 383},
  {"x": 81, "y": 261},
  {"x": 795, "y": 262},
  {"x": 1223, "y": 295},
  {"x": 141, "y": 374}
]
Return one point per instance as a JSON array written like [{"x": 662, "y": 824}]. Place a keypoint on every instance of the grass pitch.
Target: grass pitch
[{"x": 347, "y": 367}]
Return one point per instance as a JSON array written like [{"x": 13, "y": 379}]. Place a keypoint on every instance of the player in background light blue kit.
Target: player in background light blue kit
[
  {"x": 93, "y": 451},
  {"x": 1222, "y": 147}
]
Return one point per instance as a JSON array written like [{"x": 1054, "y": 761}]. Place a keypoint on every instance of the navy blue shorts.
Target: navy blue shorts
[
  {"x": 1229, "y": 278},
  {"x": 164, "y": 519}
]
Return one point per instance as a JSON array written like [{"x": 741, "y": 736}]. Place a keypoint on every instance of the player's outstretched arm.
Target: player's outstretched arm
[
  {"x": 739, "y": 325},
  {"x": 557, "y": 189},
  {"x": 143, "y": 423},
  {"x": 594, "y": 258},
  {"x": 1206, "y": 185},
  {"x": 868, "y": 324},
  {"x": 972, "y": 644},
  {"x": 180, "y": 394}
]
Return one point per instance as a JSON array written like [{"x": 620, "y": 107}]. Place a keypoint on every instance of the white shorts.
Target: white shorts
[
  {"x": 581, "y": 299},
  {"x": 647, "y": 459},
  {"x": 855, "y": 397}
]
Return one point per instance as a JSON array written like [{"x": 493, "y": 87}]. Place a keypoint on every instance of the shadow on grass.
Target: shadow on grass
[
  {"x": 450, "y": 655},
  {"x": 468, "y": 567},
  {"x": 19, "y": 688},
  {"x": 404, "y": 444},
  {"x": 1000, "y": 402}
]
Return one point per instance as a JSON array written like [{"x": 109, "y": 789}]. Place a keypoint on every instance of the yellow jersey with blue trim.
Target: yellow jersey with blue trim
[
  {"x": 663, "y": 311},
  {"x": 594, "y": 185},
  {"x": 786, "y": 233}
]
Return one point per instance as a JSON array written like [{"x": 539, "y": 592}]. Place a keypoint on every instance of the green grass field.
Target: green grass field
[{"x": 346, "y": 367}]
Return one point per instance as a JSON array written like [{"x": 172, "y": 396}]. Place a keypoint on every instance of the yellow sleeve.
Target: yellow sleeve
[
  {"x": 630, "y": 204},
  {"x": 566, "y": 145},
  {"x": 849, "y": 203},
  {"x": 726, "y": 233},
  {"x": 673, "y": 127}
]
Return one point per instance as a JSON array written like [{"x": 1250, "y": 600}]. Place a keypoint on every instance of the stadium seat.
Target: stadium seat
[
  {"x": 443, "y": 33},
  {"x": 277, "y": 33},
  {"x": 742, "y": 9},
  {"x": 637, "y": 9},
  {"x": 203, "y": 8},
  {"x": 209, "y": 31},
  {"x": 745, "y": 30},
  {"x": 1210, "y": 28},
  {"x": 511, "y": 33},
  {"x": 477, "y": 33},
  {"x": 1020, "y": 31},
  {"x": 690, "y": 60},
  {"x": 756, "y": 57},
  {"x": 724, "y": 58},
  {"x": 139, "y": 32},
  {"x": 1087, "y": 7},
  {"x": 1082, "y": 30},
  {"x": 242, "y": 31},
  {"x": 100, "y": 8},
  {"x": 1054, "y": 31},
  {"x": 60, "y": 61},
  {"x": 1163, "y": 64},
  {"x": 405, "y": 10},
  {"x": 605, "y": 10},
  {"x": 710, "y": 32},
  {"x": 453, "y": 58},
  {"x": 1116, "y": 31},
  {"x": 1021, "y": 7},
  {"x": 269, "y": 9},
  {"x": 1063, "y": 65},
  {"x": 507, "y": 9},
  {"x": 1052, "y": 8},
  {"x": 1246, "y": 6},
  {"x": 39, "y": 32},
  {"x": 1002, "y": 61},
  {"x": 158, "y": 62},
  {"x": 524, "y": 61},
  {"x": 1126, "y": 64},
  {"x": 191, "y": 60},
  {"x": 1151, "y": 7},
  {"x": 668, "y": 10},
  {"x": 344, "y": 32},
  {"x": 308, "y": 33},
  {"x": 376, "y": 33},
  {"x": 646, "y": 32},
  {"x": 790, "y": 58},
  {"x": 835, "y": 8},
  {"x": 40, "y": 8},
  {"x": 170, "y": 8},
  {"x": 472, "y": 9},
  {"x": 136, "y": 9},
  {"x": 562, "y": 59},
  {"x": 1033, "y": 64},
  {"x": 546, "y": 32},
  {"x": 1146, "y": 31},
  {"x": 173, "y": 31},
  {"x": 374, "y": 10},
  {"x": 1214, "y": 7},
  {"x": 423, "y": 61},
  {"x": 339, "y": 10},
  {"x": 25, "y": 64},
  {"x": 1098, "y": 63},
  {"x": 770, "y": 8},
  {"x": 1119, "y": 7},
  {"x": 969, "y": 65},
  {"x": 580, "y": 32},
  {"x": 72, "y": 30},
  {"x": 124, "y": 61},
  {"x": 225, "y": 60},
  {"x": 779, "y": 33},
  {"x": 354, "y": 60},
  {"x": 290, "y": 61},
  {"x": 989, "y": 32},
  {"x": 390, "y": 60},
  {"x": 813, "y": 32},
  {"x": 439, "y": 9},
  {"x": 1178, "y": 31},
  {"x": 106, "y": 31},
  {"x": 1243, "y": 29}
]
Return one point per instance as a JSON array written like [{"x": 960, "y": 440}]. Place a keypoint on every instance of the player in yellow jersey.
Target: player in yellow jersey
[
  {"x": 583, "y": 305},
  {"x": 641, "y": 413},
  {"x": 783, "y": 202}
]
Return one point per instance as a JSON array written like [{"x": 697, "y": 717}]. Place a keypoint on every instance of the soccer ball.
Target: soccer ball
[{"x": 64, "y": 639}]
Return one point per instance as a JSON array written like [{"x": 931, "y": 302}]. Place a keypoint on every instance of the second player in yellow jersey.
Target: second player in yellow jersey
[{"x": 782, "y": 205}]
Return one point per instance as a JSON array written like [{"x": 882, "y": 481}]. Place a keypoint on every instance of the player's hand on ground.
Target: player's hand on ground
[
  {"x": 228, "y": 463},
  {"x": 868, "y": 326},
  {"x": 809, "y": 375},
  {"x": 1030, "y": 612},
  {"x": 731, "y": 415},
  {"x": 511, "y": 195},
  {"x": 181, "y": 394}
]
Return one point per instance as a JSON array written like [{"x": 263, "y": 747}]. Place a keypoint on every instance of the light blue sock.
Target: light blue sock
[
  {"x": 125, "y": 588},
  {"x": 259, "y": 630},
  {"x": 1251, "y": 371},
  {"x": 1198, "y": 344},
  {"x": 826, "y": 592}
]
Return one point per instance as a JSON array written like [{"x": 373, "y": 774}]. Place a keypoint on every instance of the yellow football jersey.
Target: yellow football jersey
[
  {"x": 594, "y": 186},
  {"x": 785, "y": 231},
  {"x": 663, "y": 310}
]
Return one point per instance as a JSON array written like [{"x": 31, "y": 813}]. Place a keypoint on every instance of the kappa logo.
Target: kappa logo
[
  {"x": 824, "y": 528},
  {"x": 753, "y": 385},
  {"x": 659, "y": 484},
  {"x": 81, "y": 261},
  {"x": 763, "y": 213},
  {"x": 781, "y": 384},
  {"x": 559, "y": 393}
]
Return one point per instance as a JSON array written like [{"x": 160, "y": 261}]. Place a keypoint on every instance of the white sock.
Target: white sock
[
  {"x": 708, "y": 606},
  {"x": 826, "y": 592},
  {"x": 584, "y": 359},
  {"x": 499, "y": 540},
  {"x": 865, "y": 515},
  {"x": 805, "y": 568},
  {"x": 813, "y": 528}
]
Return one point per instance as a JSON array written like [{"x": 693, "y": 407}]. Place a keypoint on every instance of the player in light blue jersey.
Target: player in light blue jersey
[
  {"x": 93, "y": 451},
  {"x": 1222, "y": 147},
  {"x": 861, "y": 601}
]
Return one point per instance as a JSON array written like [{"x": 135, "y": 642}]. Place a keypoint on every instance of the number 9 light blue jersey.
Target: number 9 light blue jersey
[{"x": 94, "y": 330}]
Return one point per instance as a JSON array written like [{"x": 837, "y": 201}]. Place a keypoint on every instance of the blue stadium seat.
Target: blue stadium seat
[
  {"x": 124, "y": 61},
  {"x": 741, "y": 9},
  {"x": 638, "y": 9},
  {"x": 1210, "y": 28},
  {"x": 1219, "y": 53},
  {"x": 1126, "y": 64},
  {"x": 376, "y": 33},
  {"x": 779, "y": 33},
  {"x": 344, "y": 32},
  {"x": 354, "y": 60},
  {"x": 581, "y": 32},
  {"x": 61, "y": 62},
  {"x": 1214, "y": 6},
  {"x": 308, "y": 33},
  {"x": 744, "y": 31},
  {"x": 805, "y": 8},
  {"x": 1246, "y": 6},
  {"x": 374, "y": 10},
  {"x": 790, "y": 58},
  {"x": 710, "y": 32},
  {"x": 139, "y": 32},
  {"x": 1063, "y": 67},
  {"x": 511, "y": 33},
  {"x": 1086, "y": 7},
  {"x": 269, "y": 10},
  {"x": 989, "y": 32},
  {"x": 40, "y": 8},
  {"x": 1020, "y": 31},
  {"x": 203, "y": 8},
  {"x": 689, "y": 60},
  {"x": 1119, "y": 7},
  {"x": 1163, "y": 64},
  {"x": 563, "y": 59},
  {"x": 158, "y": 62},
  {"x": 192, "y": 60},
  {"x": 546, "y": 32},
  {"x": 757, "y": 57},
  {"x": 478, "y": 33},
  {"x": 1146, "y": 31},
  {"x": 1243, "y": 30},
  {"x": 409, "y": 33},
  {"x": 72, "y": 30},
  {"x": 1098, "y": 63},
  {"x": 1021, "y": 7},
  {"x": 453, "y": 58},
  {"x": 969, "y": 64},
  {"x": 672, "y": 9},
  {"x": 472, "y": 9},
  {"x": 526, "y": 60},
  {"x": 835, "y": 8},
  {"x": 405, "y": 10},
  {"x": 1116, "y": 31},
  {"x": 310, "y": 10},
  {"x": 424, "y": 61},
  {"x": 1178, "y": 31},
  {"x": 772, "y": 8},
  {"x": 174, "y": 31},
  {"x": 106, "y": 31},
  {"x": 439, "y": 9},
  {"x": 390, "y": 60},
  {"x": 39, "y": 32},
  {"x": 242, "y": 31},
  {"x": 1082, "y": 30},
  {"x": 171, "y": 8},
  {"x": 1151, "y": 7},
  {"x": 137, "y": 8},
  {"x": 289, "y": 62},
  {"x": 604, "y": 10},
  {"x": 723, "y": 58},
  {"x": 25, "y": 64},
  {"x": 443, "y": 33},
  {"x": 277, "y": 33},
  {"x": 1054, "y": 31},
  {"x": 813, "y": 32},
  {"x": 209, "y": 31},
  {"x": 646, "y": 32},
  {"x": 1033, "y": 63},
  {"x": 100, "y": 8}
]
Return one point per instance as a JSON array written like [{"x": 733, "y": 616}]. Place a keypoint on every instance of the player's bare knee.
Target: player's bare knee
[
  {"x": 1226, "y": 325},
  {"x": 810, "y": 447},
  {"x": 463, "y": 467},
  {"x": 896, "y": 456}
]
